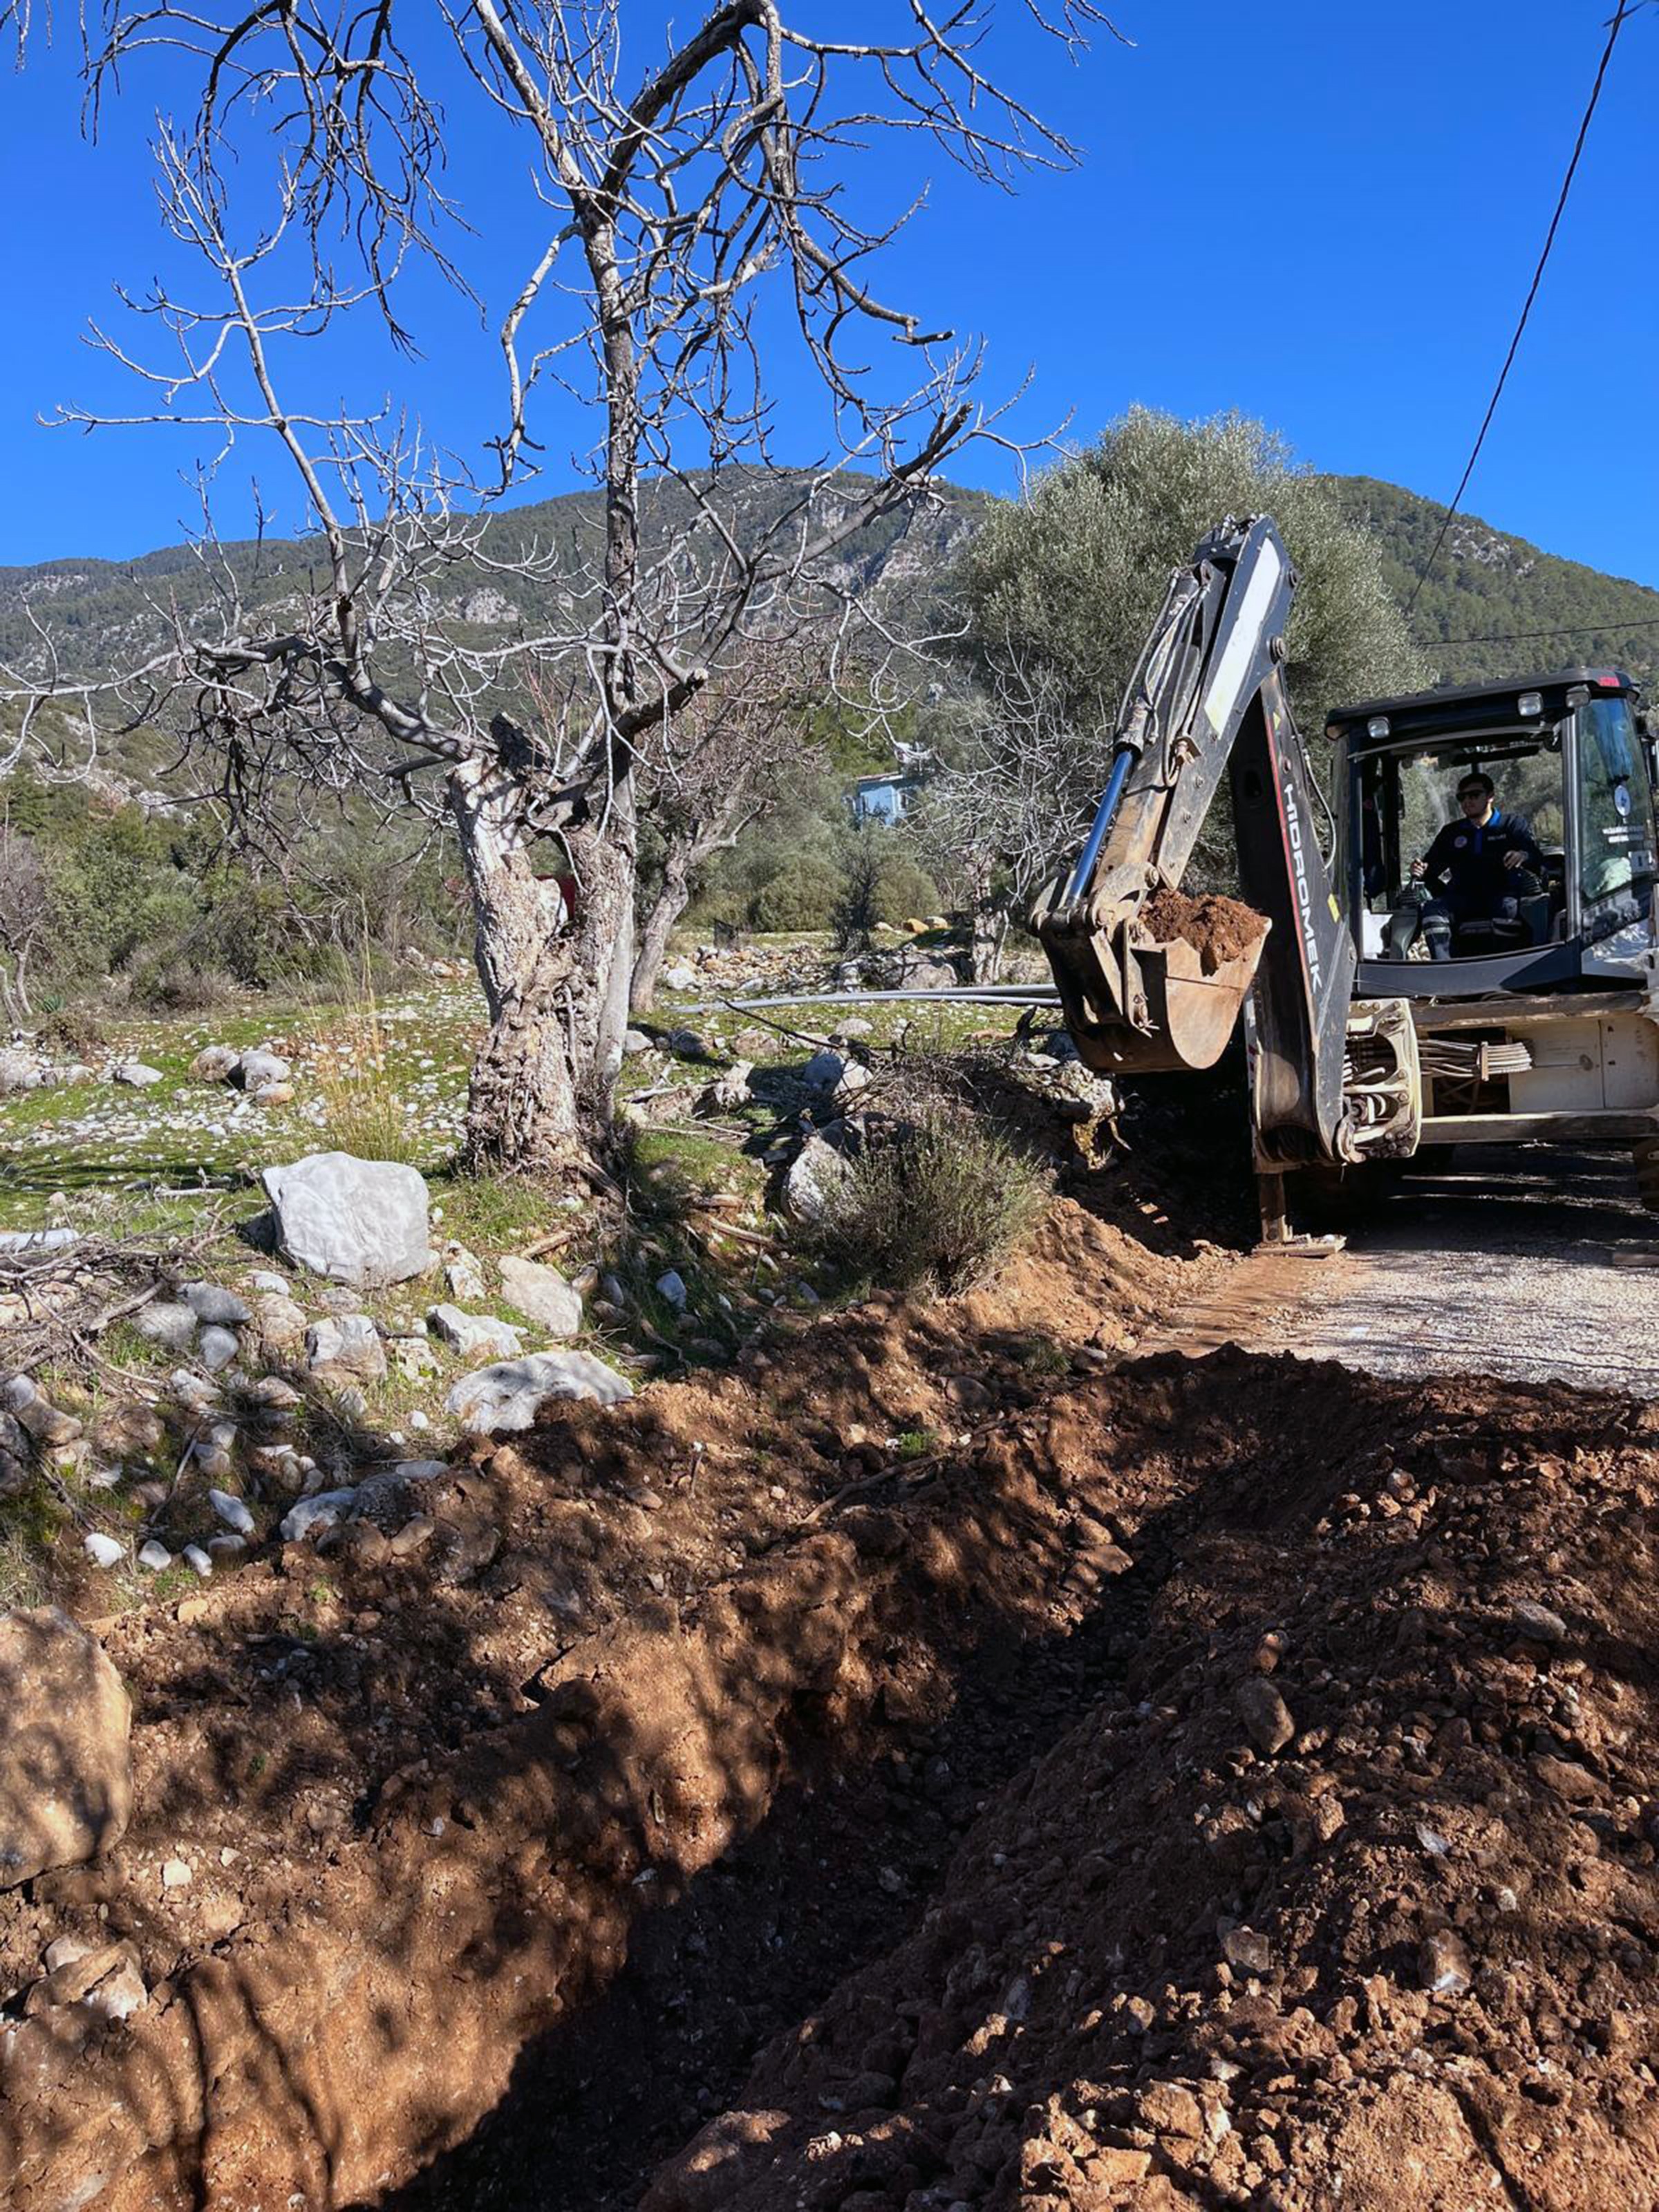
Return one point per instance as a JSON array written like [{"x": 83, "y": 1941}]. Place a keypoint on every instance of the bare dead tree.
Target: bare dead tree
[
  {"x": 669, "y": 205},
  {"x": 1016, "y": 789},
  {"x": 26, "y": 917},
  {"x": 712, "y": 772}
]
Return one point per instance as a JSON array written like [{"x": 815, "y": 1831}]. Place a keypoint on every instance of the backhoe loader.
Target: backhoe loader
[{"x": 1542, "y": 1025}]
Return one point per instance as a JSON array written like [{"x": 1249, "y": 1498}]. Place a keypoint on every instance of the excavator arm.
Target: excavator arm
[{"x": 1148, "y": 984}]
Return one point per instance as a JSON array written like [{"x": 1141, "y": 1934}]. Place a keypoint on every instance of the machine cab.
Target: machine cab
[{"x": 1567, "y": 755}]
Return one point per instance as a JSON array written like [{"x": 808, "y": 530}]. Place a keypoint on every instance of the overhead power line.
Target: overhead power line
[
  {"x": 1564, "y": 629},
  {"x": 1625, "y": 9}
]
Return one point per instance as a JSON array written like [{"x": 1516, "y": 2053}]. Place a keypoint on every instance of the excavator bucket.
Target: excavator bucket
[{"x": 1164, "y": 990}]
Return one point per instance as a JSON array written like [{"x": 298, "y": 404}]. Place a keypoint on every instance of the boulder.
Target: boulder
[
  {"x": 542, "y": 1294},
  {"x": 635, "y": 1040},
  {"x": 214, "y": 1063},
  {"x": 816, "y": 1176},
  {"x": 346, "y": 1344},
  {"x": 65, "y": 1765},
  {"x": 681, "y": 976},
  {"x": 472, "y": 1334},
  {"x": 266, "y": 1282},
  {"x": 509, "y": 1395},
  {"x": 361, "y": 1222},
  {"x": 272, "y": 1094},
  {"x": 163, "y": 1321},
  {"x": 135, "y": 1075}
]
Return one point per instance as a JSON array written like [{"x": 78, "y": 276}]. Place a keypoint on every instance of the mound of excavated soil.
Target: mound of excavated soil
[
  {"x": 1349, "y": 1900},
  {"x": 1218, "y": 929}
]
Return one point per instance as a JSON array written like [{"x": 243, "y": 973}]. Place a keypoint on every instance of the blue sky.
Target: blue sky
[{"x": 1326, "y": 217}]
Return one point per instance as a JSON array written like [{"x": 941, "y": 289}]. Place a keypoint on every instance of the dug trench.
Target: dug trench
[
  {"x": 403, "y": 1806},
  {"x": 1210, "y": 1781}
]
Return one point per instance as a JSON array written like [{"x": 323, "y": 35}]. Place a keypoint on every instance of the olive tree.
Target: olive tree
[
  {"x": 679, "y": 207},
  {"x": 1060, "y": 592}
]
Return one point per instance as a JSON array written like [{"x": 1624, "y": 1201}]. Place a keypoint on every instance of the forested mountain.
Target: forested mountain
[
  {"x": 1495, "y": 607},
  {"x": 1492, "y": 605}
]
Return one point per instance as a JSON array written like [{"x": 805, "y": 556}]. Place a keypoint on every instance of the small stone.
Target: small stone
[
  {"x": 155, "y": 1557},
  {"x": 349, "y": 1344},
  {"x": 65, "y": 1951},
  {"x": 418, "y": 1420},
  {"x": 272, "y": 1094},
  {"x": 227, "y": 1547},
  {"x": 256, "y": 1070},
  {"x": 214, "y": 1063},
  {"x": 162, "y": 1321},
  {"x": 209, "y": 1302},
  {"x": 216, "y": 1348},
  {"x": 232, "y": 1511},
  {"x": 670, "y": 1286},
  {"x": 66, "y": 1764},
  {"x": 314, "y": 1515},
  {"x": 1250, "y": 1952},
  {"x": 413, "y": 1534},
  {"x": 103, "y": 1551},
  {"x": 1443, "y": 1964},
  {"x": 542, "y": 1295},
  {"x": 267, "y": 1281},
  {"x": 1536, "y": 1623},
  {"x": 1264, "y": 1714},
  {"x": 475, "y": 1334},
  {"x": 1172, "y": 2110},
  {"x": 175, "y": 1875},
  {"x": 197, "y": 1560},
  {"x": 272, "y": 1392},
  {"x": 635, "y": 1040},
  {"x": 135, "y": 1075},
  {"x": 464, "y": 1276}
]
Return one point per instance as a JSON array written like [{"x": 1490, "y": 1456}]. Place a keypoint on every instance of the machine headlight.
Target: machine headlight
[
  {"x": 1530, "y": 703},
  {"x": 1377, "y": 726}
]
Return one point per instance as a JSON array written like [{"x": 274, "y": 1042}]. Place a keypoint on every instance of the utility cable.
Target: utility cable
[
  {"x": 1566, "y": 629},
  {"x": 1624, "y": 9}
]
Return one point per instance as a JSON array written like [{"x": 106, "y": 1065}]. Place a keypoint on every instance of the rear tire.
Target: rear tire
[{"x": 1644, "y": 1157}]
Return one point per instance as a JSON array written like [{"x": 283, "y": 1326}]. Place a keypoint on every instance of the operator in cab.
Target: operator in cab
[{"x": 1478, "y": 869}]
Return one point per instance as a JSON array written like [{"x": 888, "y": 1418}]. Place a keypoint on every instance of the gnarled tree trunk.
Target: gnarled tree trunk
[{"x": 555, "y": 983}]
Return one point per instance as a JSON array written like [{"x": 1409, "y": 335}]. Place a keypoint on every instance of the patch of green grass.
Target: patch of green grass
[
  {"x": 916, "y": 1443},
  {"x": 495, "y": 1214}
]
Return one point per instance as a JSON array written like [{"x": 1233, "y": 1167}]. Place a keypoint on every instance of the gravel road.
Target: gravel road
[{"x": 1532, "y": 1263}]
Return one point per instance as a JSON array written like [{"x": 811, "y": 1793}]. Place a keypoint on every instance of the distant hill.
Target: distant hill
[
  {"x": 1486, "y": 586},
  {"x": 1493, "y": 606}
]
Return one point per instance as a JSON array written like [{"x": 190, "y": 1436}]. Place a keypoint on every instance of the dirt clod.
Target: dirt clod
[{"x": 1219, "y": 929}]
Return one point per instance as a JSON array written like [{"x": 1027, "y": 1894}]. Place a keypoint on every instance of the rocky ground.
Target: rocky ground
[{"x": 925, "y": 1756}]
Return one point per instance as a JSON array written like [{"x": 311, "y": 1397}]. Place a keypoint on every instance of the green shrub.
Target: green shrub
[
  {"x": 905, "y": 890},
  {"x": 801, "y": 896},
  {"x": 936, "y": 1198}
]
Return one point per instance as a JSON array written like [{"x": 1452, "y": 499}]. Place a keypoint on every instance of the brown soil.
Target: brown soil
[
  {"x": 1219, "y": 929},
  {"x": 1405, "y": 1959},
  {"x": 423, "y": 1800}
]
